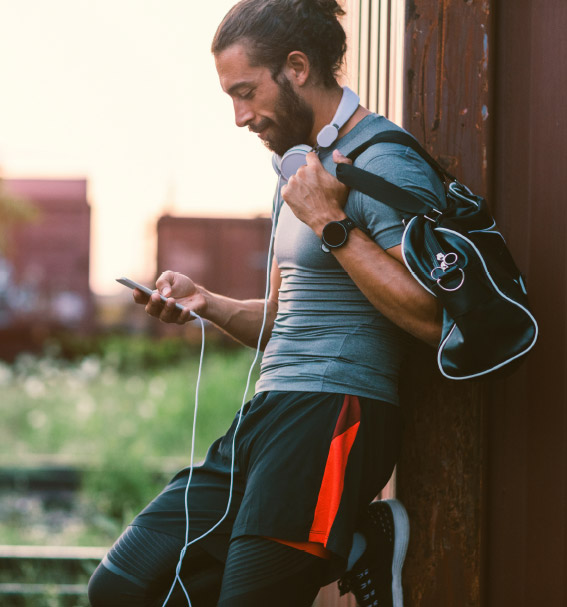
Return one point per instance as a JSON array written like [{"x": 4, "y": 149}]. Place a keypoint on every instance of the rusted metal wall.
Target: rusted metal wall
[
  {"x": 440, "y": 475},
  {"x": 484, "y": 469},
  {"x": 526, "y": 548},
  {"x": 447, "y": 97}
]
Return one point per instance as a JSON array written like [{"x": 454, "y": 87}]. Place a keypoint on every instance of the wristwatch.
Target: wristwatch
[{"x": 335, "y": 234}]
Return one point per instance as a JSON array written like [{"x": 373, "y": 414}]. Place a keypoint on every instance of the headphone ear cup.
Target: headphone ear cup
[
  {"x": 277, "y": 164},
  {"x": 287, "y": 165},
  {"x": 293, "y": 159}
]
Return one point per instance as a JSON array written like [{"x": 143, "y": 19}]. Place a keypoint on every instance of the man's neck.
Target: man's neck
[
  {"x": 325, "y": 103},
  {"x": 360, "y": 113}
]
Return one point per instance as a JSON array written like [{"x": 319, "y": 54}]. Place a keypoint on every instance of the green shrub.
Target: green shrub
[{"x": 123, "y": 411}]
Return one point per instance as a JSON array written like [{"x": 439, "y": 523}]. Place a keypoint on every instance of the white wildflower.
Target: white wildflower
[
  {"x": 34, "y": 387},
  {"x": 89, "y": 368},
  {"x": 85, "y": 407},
  {"x": 37, "y": 419},
  {"x": 157, "y": 386},
  {"x": 109, "y": 377},
  {"x": 6, "y": 374},
  {"x": 147, "y": 409},
  {"x": 134, "y": 384}
]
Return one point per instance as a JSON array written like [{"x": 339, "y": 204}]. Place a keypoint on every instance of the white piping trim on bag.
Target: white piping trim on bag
[
  {"x": 530, "y": 346},
  {"x": 441, "y": 345},
  {"x": 406, "y": 261},
  {"x": 489, "y": 230}
]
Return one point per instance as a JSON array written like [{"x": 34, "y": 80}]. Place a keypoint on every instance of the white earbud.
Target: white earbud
[{"x": 287, "y": 165}]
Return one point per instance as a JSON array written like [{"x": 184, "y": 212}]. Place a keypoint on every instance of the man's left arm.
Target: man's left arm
[
  {"x": 316, "y": 198},
  {"x": 387, "y": 283}
]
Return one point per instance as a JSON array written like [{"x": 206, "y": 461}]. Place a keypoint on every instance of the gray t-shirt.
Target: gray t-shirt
[{"x": 327, "y": 336}]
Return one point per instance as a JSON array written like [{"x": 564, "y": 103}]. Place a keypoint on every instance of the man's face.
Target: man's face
[{"x": 273, "y": 110}]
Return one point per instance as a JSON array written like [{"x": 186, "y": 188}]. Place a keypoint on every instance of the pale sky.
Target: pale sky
[{"x": 125, "y": 93}]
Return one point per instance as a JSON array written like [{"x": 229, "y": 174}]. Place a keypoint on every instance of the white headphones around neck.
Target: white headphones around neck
[{"x": 287, "y": 165}]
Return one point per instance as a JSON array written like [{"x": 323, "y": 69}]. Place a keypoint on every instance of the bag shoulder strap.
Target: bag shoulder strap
[
  {"x": 402, "y": 138},
  {"x": 378, "y": 187}
]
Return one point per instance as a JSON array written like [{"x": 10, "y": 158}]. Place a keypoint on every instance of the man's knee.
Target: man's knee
[{"x": 107, "y": 589}]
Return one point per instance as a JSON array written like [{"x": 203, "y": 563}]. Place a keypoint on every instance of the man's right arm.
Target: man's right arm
[{"x": 241, "y": 319}]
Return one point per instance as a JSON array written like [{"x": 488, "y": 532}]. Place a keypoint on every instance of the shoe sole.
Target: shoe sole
[{"x": 401, "y": 541}]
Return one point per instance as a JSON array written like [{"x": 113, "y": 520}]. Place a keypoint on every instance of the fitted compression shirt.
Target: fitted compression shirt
[{"x": 327, "y": 337}]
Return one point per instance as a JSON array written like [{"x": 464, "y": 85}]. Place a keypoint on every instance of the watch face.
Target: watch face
[{"x": 334, "y": 234}]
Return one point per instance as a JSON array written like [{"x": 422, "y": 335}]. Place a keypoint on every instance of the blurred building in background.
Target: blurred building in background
[
  {"x": 45, "y": 262},
  {"x": 44, "y": 268},
  {"x": 227, "y": 255}
]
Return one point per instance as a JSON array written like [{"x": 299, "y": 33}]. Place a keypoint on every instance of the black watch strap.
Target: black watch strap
[{"x": 335, "y": 234}]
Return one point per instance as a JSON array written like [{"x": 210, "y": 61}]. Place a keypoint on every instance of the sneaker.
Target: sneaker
[{"x": 376, "y": 578}]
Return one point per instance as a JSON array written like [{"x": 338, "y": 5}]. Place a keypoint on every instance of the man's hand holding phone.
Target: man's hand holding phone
[{"x": 176, "y": 300}]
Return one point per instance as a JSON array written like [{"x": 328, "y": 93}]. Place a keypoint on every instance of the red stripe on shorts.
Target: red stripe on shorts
[{"x": 333, "y": 478}]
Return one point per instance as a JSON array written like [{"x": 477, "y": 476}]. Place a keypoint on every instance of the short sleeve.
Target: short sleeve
[{"x": 404, "y": 168}]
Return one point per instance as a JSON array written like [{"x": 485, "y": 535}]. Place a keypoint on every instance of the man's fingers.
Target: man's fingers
[
  {"x": 340, "y": 158},
  {"x": 155, "y": 305},
  {"x": 284, "y": 191},
  {"x": 313, "y": 159},
  {"x": 169, "y": 312},
  {"x": 165, "y": 282},
  {"x": 140, "y": 297}
]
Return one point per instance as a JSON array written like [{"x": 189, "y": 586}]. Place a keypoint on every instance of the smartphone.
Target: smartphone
[{"x": 132, "y": 284}]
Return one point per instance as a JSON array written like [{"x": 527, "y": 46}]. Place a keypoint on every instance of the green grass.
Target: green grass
[
  {"x": 121, "y": 409},
  {"x": 97, "y": 405}
]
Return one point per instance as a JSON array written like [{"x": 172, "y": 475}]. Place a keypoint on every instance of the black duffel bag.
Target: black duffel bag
[{"x": 457, "y": 254}]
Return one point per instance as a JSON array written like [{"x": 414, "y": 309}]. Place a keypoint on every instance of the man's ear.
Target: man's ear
[{"x": 297, "y": 67}]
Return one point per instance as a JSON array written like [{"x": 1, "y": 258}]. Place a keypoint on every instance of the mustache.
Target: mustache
[{"x": 258, "y": 128}]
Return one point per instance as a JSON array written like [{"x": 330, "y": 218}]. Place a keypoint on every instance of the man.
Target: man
[{"x": 281, "y": 496}]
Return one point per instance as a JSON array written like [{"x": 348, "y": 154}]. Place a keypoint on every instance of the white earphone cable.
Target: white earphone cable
[{"x": 177, "y": 579}]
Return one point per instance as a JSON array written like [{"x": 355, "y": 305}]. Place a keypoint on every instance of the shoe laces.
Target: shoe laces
[{"x": 358, "y": 584}]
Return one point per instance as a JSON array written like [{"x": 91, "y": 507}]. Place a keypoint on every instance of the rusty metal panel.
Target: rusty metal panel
[
  {"x": 507, "y": 141},
  {"x": 440, "y": 474},
  {"x": 447, "y": 97},
  {"x": 440, "y": 482},
  {"x": 527, "y": 474}
]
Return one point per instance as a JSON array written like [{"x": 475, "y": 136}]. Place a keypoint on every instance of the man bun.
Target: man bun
[
  {"x": 330, "y": 8},
  {"x": 274, "y": 28}
]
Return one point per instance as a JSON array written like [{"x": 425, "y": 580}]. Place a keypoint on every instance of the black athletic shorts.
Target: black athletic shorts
[{"x": 305, "y": 466}]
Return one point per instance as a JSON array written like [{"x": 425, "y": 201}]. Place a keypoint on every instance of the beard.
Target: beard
[{"x": 293, "y": 122}]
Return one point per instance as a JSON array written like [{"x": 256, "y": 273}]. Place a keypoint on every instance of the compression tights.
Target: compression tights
[{"x": 140, "y": 567}]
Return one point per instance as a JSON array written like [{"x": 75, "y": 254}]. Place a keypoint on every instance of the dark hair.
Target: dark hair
[{"x": 275, "y": 28}]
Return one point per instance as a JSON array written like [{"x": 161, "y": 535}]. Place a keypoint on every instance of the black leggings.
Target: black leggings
[{"x": 140, "y": 569}]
